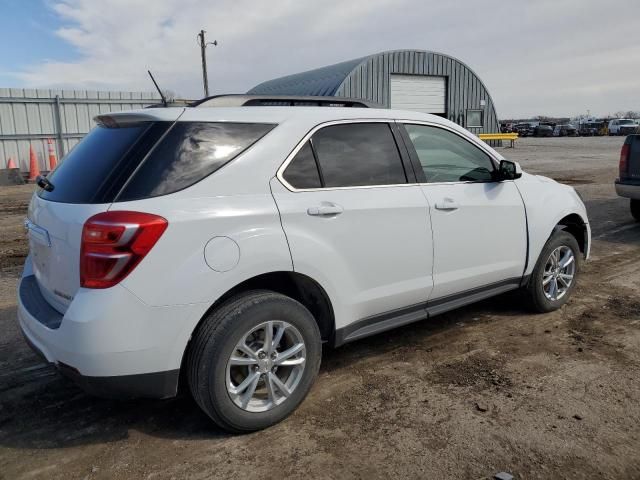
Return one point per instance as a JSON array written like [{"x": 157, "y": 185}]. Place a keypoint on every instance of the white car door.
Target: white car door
[
  {"x": 355, "y": 223},
  {"x": 479, "y": 224}
]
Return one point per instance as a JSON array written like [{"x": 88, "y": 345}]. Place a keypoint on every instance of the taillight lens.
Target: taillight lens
[
  {"x": 624, "y": 159},
  {"x": 114, "y": 243}
]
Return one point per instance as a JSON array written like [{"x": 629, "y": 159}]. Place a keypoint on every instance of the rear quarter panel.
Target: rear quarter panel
[{"x": 176, "y": 272}]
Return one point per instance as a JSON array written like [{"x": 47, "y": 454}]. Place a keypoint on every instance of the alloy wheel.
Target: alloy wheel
[
  {"x": 559, "y": 272},
  {"x": 266, "y": 366}
]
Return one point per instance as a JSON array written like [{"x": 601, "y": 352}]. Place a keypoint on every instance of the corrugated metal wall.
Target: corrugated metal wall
[
  {"x": 370, "y": 80},
  {"x": 30, "y": 117}
]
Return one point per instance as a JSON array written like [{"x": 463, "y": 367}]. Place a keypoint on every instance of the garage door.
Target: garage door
[{"x": 421, "y": 93}]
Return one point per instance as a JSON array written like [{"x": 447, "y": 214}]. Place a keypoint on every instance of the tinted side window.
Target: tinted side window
[
  {"x": 190, "y": 152},
  {"x": 447, "y": 157},
  {"x": 358, "y": 154},
  {"x": 302, "y": 172}
]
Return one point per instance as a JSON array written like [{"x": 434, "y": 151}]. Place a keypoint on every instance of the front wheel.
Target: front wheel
[
  {"x": 253, "y": 360},
  {"x": 554, "y": 276},
  {"x": 635, "y": 209}
]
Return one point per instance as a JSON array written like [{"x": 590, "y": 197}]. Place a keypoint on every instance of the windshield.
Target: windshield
[{"x": 626, "y": 122}]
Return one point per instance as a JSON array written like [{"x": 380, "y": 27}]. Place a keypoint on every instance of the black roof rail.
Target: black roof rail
[{"x": 241, "y": 100}]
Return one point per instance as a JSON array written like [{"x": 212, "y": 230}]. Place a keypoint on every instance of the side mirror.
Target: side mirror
[{"x": 509, "y": 170}]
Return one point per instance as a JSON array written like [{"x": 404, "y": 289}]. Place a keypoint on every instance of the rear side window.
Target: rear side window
[
  {"x": 302, "y": 172},
  {"x": 358, "y": 154},
  {"x": 190, "y": 152},
  {"x": 95, "y": 166}
]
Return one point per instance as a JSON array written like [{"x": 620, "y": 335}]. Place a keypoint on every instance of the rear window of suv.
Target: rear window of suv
[{"x": 147, "y": 159}]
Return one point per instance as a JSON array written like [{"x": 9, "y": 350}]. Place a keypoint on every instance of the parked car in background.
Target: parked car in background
[
  {"x": 543, "y": 130},
  {"x": 224, "y": 246},
  {"x": 565, "y": 131},
  {"x": 590, "y": 129},
  {"x": 629, "y": 129},
  {"x": 616, "y": 124},
  {"x": 523, "y": 129},
  {"x": 628, "y": 182}
]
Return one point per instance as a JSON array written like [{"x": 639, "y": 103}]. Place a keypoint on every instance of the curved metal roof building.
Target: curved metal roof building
[{"x": 405, "y": 79}]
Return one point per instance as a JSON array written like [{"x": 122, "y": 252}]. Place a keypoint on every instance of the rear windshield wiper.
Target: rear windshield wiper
[{"x": 44, "y": 183}]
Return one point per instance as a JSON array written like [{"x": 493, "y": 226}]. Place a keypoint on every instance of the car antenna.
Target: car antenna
[{"x": 164, "y": 99}]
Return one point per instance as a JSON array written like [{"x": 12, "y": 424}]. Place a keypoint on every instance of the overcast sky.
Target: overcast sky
[{"x": 542, "y": 57}]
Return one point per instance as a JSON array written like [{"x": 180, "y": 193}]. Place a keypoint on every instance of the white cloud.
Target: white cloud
[{"x": 542, "y": 57}]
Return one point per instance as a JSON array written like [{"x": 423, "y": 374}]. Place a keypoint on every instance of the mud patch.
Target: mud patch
[
  {"x": 624, "y": 307},
  {"x": 479, "y": 370},
  {"x": 13, "y": 253},
  {"x": 582, "y": 328},
  {"x": 573, "y": 181},
  {"x": 13, "y": 208}
]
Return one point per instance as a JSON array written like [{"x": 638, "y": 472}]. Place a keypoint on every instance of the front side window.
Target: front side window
[
  {"x": 447, "y": 157},
  {"x": 358, "y": 154}
]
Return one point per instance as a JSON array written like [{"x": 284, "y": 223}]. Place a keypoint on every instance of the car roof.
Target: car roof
[
  {"x": 298, "y": 119},
  {"x": 264, "y": 114}
]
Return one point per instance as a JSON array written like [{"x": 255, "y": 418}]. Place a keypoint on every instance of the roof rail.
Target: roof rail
[{"x": 241, "y": 100}]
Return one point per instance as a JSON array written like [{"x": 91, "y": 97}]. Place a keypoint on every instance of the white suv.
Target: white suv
[
  {"x": 622, "y": 126},
  {"x": 228, "y": 244}
]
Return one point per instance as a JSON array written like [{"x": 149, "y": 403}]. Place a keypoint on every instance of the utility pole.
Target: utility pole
[{"x": 203, "y": 50}]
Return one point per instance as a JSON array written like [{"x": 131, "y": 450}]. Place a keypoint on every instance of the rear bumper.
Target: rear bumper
[
  {"x": 144, "y": 385},
  {"x": 628, "y": 189},
  {"x": 108, "y": 341}
]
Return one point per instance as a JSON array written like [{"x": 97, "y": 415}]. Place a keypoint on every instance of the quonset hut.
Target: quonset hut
[{"x": 418, "y": 80}]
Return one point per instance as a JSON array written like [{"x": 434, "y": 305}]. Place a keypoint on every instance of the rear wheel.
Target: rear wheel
[
  {"x": 635, "y": 209},
  {"x": 554, "y": 276},
  {"x": 253, "y": 360}
]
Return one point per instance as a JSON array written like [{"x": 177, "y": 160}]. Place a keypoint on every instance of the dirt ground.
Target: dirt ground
[{"x": 481, "y": 390}]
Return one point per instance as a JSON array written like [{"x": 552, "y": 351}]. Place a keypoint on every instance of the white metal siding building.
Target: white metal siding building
[{"x": 31, "y": 117}]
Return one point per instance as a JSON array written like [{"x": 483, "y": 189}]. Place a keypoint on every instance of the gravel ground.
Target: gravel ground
[{"x": 480, "y": 390}]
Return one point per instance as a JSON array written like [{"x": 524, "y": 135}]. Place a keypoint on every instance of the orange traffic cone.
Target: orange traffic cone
[
  {"x": 34, "y": 169},
  {"x": 11, "y": 164},
  {"x": 52, "y": 155}
]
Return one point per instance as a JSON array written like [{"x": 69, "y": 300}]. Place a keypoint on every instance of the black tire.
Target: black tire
[
  {"x": 215, "y": 340},
  {"x": 635, "y": 209},
  {"x": 534, "y": 291}
]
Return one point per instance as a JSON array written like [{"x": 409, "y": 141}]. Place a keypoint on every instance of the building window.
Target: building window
[{"x": 475, "y": 118}]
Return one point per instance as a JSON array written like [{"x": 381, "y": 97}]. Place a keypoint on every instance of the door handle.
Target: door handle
[
  {"x": 39, "y": 234},
  {"x": 325, "y": 210},
  {"x": 447, "y": 204}
]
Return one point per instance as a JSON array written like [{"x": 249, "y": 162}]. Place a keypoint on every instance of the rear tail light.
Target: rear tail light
[
  {"x": 114, "y": 243},
  {"x": 624, "y": 159}
]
